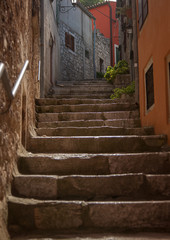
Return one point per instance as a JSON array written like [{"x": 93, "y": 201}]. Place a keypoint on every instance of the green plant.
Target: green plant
[
  {"x": 120, "y": 68},
  {"x": 99, "y": 75},
  {"x": 129, "y": 90}
]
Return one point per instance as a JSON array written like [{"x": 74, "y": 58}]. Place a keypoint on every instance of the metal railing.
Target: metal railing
[{"x": 6, "y": 82}]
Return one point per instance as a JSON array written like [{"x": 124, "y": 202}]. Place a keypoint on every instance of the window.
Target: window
[
  {"x": 168, "y": 78},
  {"x": 87, "y": 54},
  {"x": 69, "y": 41},
  {"x": 143, "y": 12},
  {"x": 101, "y": 65},
  {"x": 149, "y": 83}
]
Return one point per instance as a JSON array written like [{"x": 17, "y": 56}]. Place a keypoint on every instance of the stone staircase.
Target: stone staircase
[{"x": 91, "y": 167}]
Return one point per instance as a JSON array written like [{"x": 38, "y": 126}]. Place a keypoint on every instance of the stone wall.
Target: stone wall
[
  {"x": 122, "y": 80},
  {"x": 19, "y": 41},
  {"x": 102, "y": 51},
  {"x": 71, "y": 62},
  {"x": 77, "y": 64}
]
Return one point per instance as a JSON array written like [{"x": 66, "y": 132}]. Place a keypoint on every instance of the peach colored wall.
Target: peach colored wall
[{"x": 154, "y": 41}]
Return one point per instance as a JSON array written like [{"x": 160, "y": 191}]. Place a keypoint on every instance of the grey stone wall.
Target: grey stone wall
[
  {"x": 71, "y": 62},
  {"x": 102, "y": 51},
  {"x": 75, "y": 65}
]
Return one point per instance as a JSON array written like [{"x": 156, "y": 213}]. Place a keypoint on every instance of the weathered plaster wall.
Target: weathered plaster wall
[
  {"x": 102, "y": 51},
  {"x": 153, "y": 43},
  {"x": 19, "y": 40},
  {"x": 51, "y": 48}
]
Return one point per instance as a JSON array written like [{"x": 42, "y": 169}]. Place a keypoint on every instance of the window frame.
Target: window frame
[
  {"x": 168, "y": 83},
  {"x": 147, "y": 110},
  {"x": 142, "y": 12},
  {"x": 70, "y": 41}
]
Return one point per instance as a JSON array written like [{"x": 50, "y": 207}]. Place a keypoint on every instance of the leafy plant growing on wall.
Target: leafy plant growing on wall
[
  {"x": 118, "y": 92},
  {"x": 120, "y": 68}
]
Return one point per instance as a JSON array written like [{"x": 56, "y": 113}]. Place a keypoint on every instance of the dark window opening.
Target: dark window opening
[
  {"x": 143, "y": 12},
  {"x": 101, "y": 65},
  {"x": 149, "y": 87},
  {"x": 69, "y": 41},
  {"x": 87, "y": 54}
]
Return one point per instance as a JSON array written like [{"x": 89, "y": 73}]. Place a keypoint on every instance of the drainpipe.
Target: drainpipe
[
  {"x": 111, "y": 37},
  {"x": 135, "y": 42},
  {"x": 94, "y": 46},
  {"x": 42, "y": 49}
]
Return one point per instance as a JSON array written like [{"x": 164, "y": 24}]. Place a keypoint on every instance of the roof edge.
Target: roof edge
[{"x": 84, "y": 9}]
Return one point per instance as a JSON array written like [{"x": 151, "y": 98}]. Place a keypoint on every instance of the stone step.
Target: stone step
[
  {"x": 92, "y": 187},
  {"x": 92, "y": 235},
  {"x": 129, "y": 123},
  {"x": 96, "y": 144},
  {"x": 72, "y": 101},
  {"x": 118, "y": 216},
  {"x": 93, "y": 131},
  {"x": 95, "y": 164},
  {"x": 84, "y": 90},
  {"x": 85, "y": 108},
  {"x": 95, "y": 87},
  {"x": 84, "y": 82},
  {"x": 83, "y": 96},
  {"x": 69, "y": 116}
]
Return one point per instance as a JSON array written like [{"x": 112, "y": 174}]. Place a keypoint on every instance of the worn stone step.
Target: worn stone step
[
  {"x": 84, "y": 88},
  {"x": 73, "y": 91},
  {"x": 129, "y": 123},
  {"x": 92, "y": 187},
  {"x": 93, "y": 131},
  {"x": 83, "y": 95},
  {"x": 92, "y": 235},
  {"x": 96, "y": 144},
  {"x": 85, "y": 108},
  {"x": 72, "y": 101},
  {"x": 84, "y": 82},
  {"x": 69, "y": 116},
  {"x": 94, "y": 164},
  {"x": 32, "y": 214}
]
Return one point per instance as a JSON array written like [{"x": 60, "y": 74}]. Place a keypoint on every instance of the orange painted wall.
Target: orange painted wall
[
  {"x": 103, "y": 21},
  {"x": 154, "y": 41}
]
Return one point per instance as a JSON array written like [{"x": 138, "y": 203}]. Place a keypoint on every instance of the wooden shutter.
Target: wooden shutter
[{"x": 69, "y": 41}]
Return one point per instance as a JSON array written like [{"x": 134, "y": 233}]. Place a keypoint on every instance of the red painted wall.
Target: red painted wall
[
  {"x": 102, "y": 15},
  {"x": 154, "y": 42}
]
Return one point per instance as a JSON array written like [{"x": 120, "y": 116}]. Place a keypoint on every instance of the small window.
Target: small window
[
  {"x": 87, "y": 54},
  {"x": 149, "y": 83},
  {"x": 143, "y": 12},
  {"x": 168, "y": 79},
  {"x": 101, "y": 65},
  {"x": 69, "y": 41}
]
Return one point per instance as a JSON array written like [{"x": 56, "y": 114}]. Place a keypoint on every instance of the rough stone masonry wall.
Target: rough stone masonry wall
[
  {"x": 71, "y": 62},
  {"x": 102, "y": 51},
  {"x": 19, "y": 40}
]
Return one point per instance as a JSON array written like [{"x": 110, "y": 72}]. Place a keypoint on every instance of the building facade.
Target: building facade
[
  {"x": 76, "y": 42},
  {"x": 50, "y": 47},
  {"x": 154, "y": 64},
  {"x": 127, "y": 17},
  {"x": 108, "y": 25}
]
